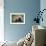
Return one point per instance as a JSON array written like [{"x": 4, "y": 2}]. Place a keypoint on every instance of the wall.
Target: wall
[
  {"x": 43, "y": 6},
  {"x": 29, "y": 7}
]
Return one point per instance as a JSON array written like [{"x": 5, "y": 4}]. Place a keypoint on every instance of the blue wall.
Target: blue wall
[
  {"x": 43, "y": 6},
  {"x": 29, "y": 7}
]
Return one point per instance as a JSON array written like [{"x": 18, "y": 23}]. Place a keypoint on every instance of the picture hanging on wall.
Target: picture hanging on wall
[{"x": 17, "y": 18}]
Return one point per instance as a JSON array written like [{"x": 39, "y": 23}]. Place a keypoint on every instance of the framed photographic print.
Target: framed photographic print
[{"x": 17, "y": 18}]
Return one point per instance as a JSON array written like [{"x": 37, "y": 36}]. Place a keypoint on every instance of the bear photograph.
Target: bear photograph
[{"x": 17, "y": 18}]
